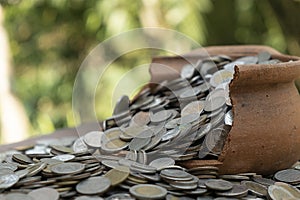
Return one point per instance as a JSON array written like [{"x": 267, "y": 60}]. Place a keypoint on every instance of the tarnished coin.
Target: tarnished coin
[
  {"x": 45, "y": 193},
  {"x": 21, "y": 158},
  {"x": 214, "y": 104},
  {"x": 8, "y": 180},
  {"x": 93, "y": 185},
  {"x": 122, "y": 105},
  {"x": 215, "y": 140},
  {"x": 117, "y": 175},
  {"x": 160, "y": 116},
  {"x": 221, "y": 76},
  {"x": 113, "y": 145},
  {"x": 93, "y": 139},
  {"x": 193, "y": 107},
  {"x": 68, "y": 168},
  {"x": 18, "y": 196},
  {"x": 256, "y": 188},
  {"x": 162, "y": 162},
  {"x": 236, "y": 191},
  {"x": 288, "y": 176},
  {"x": 218, "y": 185},
  {"x": 280, "y": 192},
  {"x": 138, "y": 143},
  {"x": 10, "y": 166},
  {"x": 148, "y": 191},
  {"x": 140, "y": 119},
  {"x": 170, "y": 134}
]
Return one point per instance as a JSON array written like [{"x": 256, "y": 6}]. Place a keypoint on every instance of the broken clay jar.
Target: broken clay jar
[{"x": 265, "y": 136}]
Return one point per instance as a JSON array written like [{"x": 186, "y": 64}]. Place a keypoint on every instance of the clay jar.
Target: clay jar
[{"x": 265, "y": 136}]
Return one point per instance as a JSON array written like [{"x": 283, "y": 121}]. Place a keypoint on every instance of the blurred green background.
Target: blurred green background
[{"x": 49, "y": 39}]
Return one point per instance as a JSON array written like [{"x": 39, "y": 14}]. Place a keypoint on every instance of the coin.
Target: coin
[
  {"x": 64, "y": 157},
  {"x": 222, "y": 76},
  {"x": 288, "y": 176},
  {"x": 256, "y": 188},
  {"x": 236, "y": 191},
  {"x": 139, "y": 143},
  {"x": 215, "y": 140},
  {"x": 93, "y": 139},
  {"x": 18, "y": 196},
  {"x": 148, "y": 191},
  {"x": 113, "y": 145},
  {"x": 162, "y": 162},
  {"x": 218, "y": 184},
  {"x": 214, "y": 104},
  {"x": 8, "y": 180},
  {"x": 67, "y": 168},
  {"x": 122, "y": 105},
  {"x": 93, "y": 185},
  {"x": 117, "y": 175},
  {"x": 44, "y": 193},
  {"x": 79, "y": 146},
  {"x": 277, "y": 192}
]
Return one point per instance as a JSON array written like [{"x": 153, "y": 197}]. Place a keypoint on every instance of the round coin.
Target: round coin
[
  {"x": 18, "y": 196},
  {"x": 93, "y": 185},
  {"x": 218, "y": 184},
  {"x": 8, "y": 180},
  {"x": 117, "y": 175},
  {"x": 162, "y": 162},
  {"x": 148, "y": 192},
  {"x": 256, "y": 188},
  {"x": 236, "y": 191},
  {"x": 45, "y": 193},
  {"x": 68, "y": 168},
  {"x": 93, "y": 139},
  {"x": 279, "y": 192},
  {"x": 288, "y": 176}
]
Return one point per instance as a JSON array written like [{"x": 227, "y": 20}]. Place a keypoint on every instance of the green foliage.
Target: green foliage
[{"x": 50, "y": 38}]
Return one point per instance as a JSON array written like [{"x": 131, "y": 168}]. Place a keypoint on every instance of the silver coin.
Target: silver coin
[
  {"x": 288, "y": 176},
  {"x": 138, "y": 143},
  {"x": 18, "y": 196},
  {"x": 218, "y": 184},
  {"x": 45, "y": 193},
  {"x": 68, "y": 168},
  {"x": 64, "y": 157},
  {"x": 93, "y": 185},
  {"x": 122, "y": 105},
  {"x": 8, "y": 180},
  {"x": 160, "y": 163},
  {"x": 93, "y": 139}
]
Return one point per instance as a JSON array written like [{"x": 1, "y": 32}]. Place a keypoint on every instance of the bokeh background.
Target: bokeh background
[{"x": 43, "y": 43}]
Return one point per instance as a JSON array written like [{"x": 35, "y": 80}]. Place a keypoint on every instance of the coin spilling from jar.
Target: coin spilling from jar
[{"x": 137, "y": 154}]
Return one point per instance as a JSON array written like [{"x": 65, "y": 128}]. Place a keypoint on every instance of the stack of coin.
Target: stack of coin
[{"x": 138, "y": 152}]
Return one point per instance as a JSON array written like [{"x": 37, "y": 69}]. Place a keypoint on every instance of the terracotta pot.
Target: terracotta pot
[{"x": 265, "y": 136}]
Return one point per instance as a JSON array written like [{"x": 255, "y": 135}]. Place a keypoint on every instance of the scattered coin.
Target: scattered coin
[
  {"x": 288, "y": 176},
  {"x": 218, "y": 184},
  {"x": 44, "y": 193},
  {"x": 148, "y": 191},
  {"x": 93, "y": 185},
  {"x": 68, "y": 168}
]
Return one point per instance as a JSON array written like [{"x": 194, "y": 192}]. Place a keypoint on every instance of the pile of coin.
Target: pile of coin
[{"x": 138, "y": 152}]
